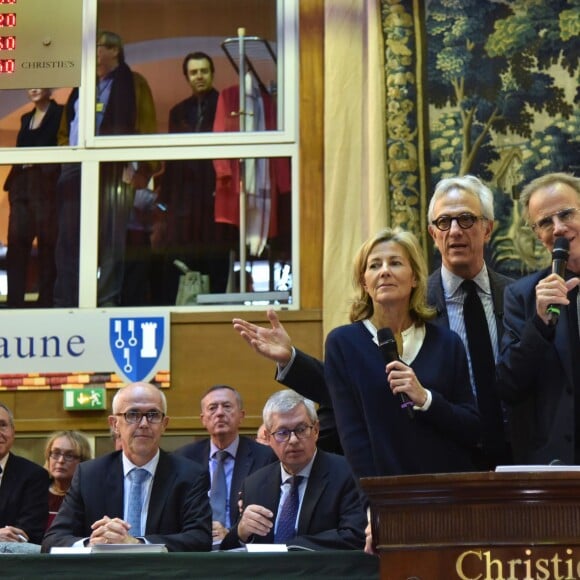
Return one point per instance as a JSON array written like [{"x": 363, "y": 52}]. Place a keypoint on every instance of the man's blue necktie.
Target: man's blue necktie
[
  {"x": 286, "y": 528},
  {"x": 135, "y": 506},
  {"x": 219, "y": 489}
]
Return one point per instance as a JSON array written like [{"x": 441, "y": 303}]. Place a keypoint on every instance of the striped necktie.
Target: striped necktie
[{"x": 286, "y": 528}]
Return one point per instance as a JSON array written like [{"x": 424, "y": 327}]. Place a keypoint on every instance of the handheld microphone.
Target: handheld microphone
[
  {"x": 559, "y": 260},
  {"x": 388, "y": 348}
]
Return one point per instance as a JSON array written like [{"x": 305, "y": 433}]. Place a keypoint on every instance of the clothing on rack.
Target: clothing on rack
[{"x": 265, "y": 179}]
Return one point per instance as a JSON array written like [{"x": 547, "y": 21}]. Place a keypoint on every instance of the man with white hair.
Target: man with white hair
[{"x": 308, "y": 498}]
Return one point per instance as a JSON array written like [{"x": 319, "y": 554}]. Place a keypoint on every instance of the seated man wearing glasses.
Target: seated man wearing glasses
[
  {"x": 140, "y": 494},
  {"x": 309, "y": 498},
  {"x": 539, "y": 366}
]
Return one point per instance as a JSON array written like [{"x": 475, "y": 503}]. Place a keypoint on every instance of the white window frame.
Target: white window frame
[{"x": 280, "y": 143}]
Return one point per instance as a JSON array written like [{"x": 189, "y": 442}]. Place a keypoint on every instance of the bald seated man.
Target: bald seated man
[{"x": 174, "y": 507}]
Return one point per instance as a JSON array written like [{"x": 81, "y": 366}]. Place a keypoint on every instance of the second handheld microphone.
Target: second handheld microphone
[{"x": 560, "y": 255}]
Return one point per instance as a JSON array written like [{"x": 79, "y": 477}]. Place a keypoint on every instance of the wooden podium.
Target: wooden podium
[{"x": 477, "y": 526}]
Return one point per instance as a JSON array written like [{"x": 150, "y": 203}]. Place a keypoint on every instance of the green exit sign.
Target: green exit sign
[{"x": 94, "y": 399}]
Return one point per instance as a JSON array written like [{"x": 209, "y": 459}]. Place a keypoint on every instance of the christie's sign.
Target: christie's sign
[{"x": 556, "y": 563}]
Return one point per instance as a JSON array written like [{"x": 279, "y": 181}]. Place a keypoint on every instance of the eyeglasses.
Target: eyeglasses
[
  {"x": 546, "y": 224},
  {"x": 137, "y": 416},
  {"x": 68, "y": 457},
  {"x": 464, "y": 221},
  {"x": 4, "y": 426},
  {"x": 301, "y": 432}
]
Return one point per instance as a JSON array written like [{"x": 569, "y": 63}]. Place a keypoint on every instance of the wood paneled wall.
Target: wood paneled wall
[{"x": 205, "y": 348}]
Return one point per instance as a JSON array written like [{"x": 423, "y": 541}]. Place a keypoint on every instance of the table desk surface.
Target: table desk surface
[{"x": 336, "y": 565}]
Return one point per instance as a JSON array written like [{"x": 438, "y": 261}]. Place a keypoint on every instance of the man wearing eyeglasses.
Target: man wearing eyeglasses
[
  {"x": 539, "y": 367},
  {"x": 140, "y": 494},
  {"x": 309, "y": 498},
  {"x": 461, "y": 218},
  {"x": 23, "y": 490},
  {"x": 221, "y": 414}
]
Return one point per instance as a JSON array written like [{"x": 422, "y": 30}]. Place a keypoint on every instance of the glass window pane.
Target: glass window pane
[
  {"x": 28, "y": 234},
  {"x": 182, "y": 226},
  {"x": 187, "y": 92}
]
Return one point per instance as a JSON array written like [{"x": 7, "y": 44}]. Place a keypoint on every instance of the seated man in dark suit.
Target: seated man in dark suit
[
  {"x": 309, "y": 498},
  {"x": 221, "y": 414},
  {"x": 171, "y": 505},
  {"x": 23, "y": 490}
]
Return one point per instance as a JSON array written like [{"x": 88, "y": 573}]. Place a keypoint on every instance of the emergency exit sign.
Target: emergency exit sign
[{"x": 93, "y": 399}]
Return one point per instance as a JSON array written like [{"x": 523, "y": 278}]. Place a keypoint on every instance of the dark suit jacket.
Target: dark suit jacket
[
  {"x": 501, "y": 453},
  {"x": 179, "y": 515},
  {"x": 436, "y": 297},
  {"x": 185, "y": 118},
  {"x": 331, "y": 517},
  {"x": 250, "y": 457},
  {"x": 535, "y": 379},
  {"x": 24, "y": 497}
]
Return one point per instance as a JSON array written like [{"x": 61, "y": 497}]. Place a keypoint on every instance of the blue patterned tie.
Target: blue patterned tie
[
  {"x": 137, "y": 477},
  {"x": 219, "y": 489},
  {"x": 286, "y": 528}
]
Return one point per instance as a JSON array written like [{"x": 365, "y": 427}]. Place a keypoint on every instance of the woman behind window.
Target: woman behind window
[{"x": 31, "y": 192}]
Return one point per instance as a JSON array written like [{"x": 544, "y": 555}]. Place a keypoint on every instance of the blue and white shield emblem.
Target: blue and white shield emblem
[{"x": 136, "y": 344}]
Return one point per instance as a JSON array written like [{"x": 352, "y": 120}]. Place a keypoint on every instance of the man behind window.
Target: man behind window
[
  {"x": 124, "y": 106},
  {"x": 309, "y": 498},
  {"x": 221, "y": 414},
  {"x": 173, "y": 508},
  {"x": 187, "y": 229}
]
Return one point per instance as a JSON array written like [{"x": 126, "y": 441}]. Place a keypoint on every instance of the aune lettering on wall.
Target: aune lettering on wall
[{"x": 117, "y": 346}]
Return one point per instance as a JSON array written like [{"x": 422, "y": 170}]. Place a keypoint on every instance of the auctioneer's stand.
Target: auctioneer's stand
[{"x": 477, "y": 526}]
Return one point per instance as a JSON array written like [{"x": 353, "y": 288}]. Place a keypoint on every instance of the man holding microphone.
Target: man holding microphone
[{"x": 539, "y": 366}]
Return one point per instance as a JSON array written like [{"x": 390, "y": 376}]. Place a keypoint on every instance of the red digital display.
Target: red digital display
[
  {"x": 7, "y": 65},
  {"x": 8, "y": 20},
  {"x": 7, "y": 42}
]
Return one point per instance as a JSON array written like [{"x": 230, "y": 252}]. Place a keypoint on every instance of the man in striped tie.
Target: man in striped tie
[{"x": 308, "y": 499}]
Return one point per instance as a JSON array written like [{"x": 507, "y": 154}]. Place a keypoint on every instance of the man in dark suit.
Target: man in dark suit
[
  {"x": 327, "y": 514},
  {"x": 173, "y": 509},
  {"x": 23, "y": 490},
  {"x": 539, "y": 366},
  {"x": 461, "y": 218},
  {"x": 221, "y": 414}
]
